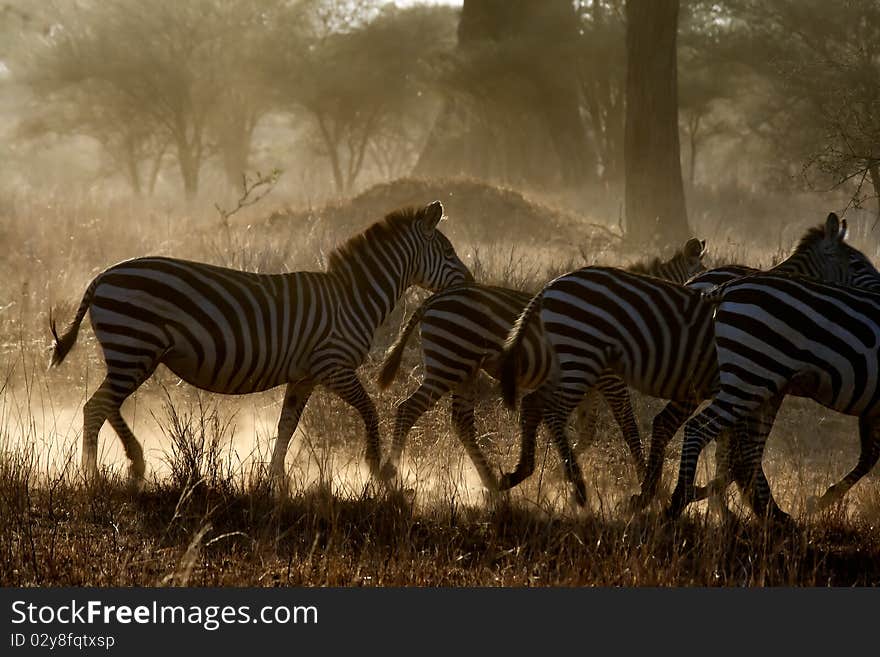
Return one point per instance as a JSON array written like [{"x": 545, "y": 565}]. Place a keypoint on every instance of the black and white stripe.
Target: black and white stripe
[
  {"x": 756, "y": 428},
  {"x": 463, "y": 330},
  {"x": 657, "y": 337},
  {"x": 775, "y": 335},
  {"x": 237, "y": 332}
]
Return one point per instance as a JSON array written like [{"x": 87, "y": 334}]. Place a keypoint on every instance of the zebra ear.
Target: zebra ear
[
  {"x": 431, "y": 216},
  {"x": 694, "y": 248},
  {"x": 832, "y": 227}
]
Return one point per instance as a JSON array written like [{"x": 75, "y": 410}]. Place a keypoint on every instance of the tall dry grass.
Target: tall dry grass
[{"x": 208, "y": 516}]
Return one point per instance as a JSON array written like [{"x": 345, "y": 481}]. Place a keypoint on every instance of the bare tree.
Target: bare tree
[
  {"x": 358, "y": 73},
  {"x": 602, "y": 77},
  {"x": 140, "y": 77},
  {"x": 817, "y": 65}
]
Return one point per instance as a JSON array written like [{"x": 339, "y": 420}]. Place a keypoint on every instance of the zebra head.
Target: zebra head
[
  {"x": 692, "y": 257},
  {"x": 437, "y": 265},
  {"x": 822, "y": 254}
]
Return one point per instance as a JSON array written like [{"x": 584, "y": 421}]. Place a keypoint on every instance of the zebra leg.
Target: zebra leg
[
  {"x": 699, "y": 431},
  {"x": 716, "y": 490},
  {"x": 133, "y": 449},
  {"x": 95, "y": 412},
  {"x": 616, "y": 393},
  {"x": 869, "y": 437},
  {"x": 103, "y": 405},
  {"x": 408, "y": 413},
  {"x": 347, "y": 385},
  {"x": 586, "y": 420},
  {"x": 665, "y": 424},
  {"x": 465, "y": 427},
  {"x": 530, "y": 414},
  {"x": 742, "y": 450},
  {"x": 295, "y": 397},
  {"x": 752, "y": 482},
  {"x": 557, "y": 422}
]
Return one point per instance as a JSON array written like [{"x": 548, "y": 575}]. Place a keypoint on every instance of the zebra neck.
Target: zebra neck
[{"x": 371, "y": 290}]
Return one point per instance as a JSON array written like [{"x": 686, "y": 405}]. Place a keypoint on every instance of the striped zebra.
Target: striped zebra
[
  {"x": 756, "y": 428},
  {"x": 775, "y": 334},
  {"x": 656, "y": 336},
  {"x": 237, "y": 332},
  {"x": 463, "y": 331}
]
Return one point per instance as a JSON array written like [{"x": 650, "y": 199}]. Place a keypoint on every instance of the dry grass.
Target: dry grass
[{"x": 208, "y": 517}]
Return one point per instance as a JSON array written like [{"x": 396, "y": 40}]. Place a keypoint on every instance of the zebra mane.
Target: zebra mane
[
  {"x": 647, "y": 266},
  {"x": 393, "y": 223},
  {"x": 650, "y": 266},
  {"x": 813, "y": 235}
]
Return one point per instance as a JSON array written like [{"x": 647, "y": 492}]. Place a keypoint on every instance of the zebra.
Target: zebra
[
  {"x": 463, "y": 331},
  {"x": 775, "y": 334},
  {"x": 656, "y": 336},
  {"x": 756, "y": 428},
  {"x": 237, "y": 332}
]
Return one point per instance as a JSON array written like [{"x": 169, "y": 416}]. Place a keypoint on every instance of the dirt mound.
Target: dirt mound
[{"x": 477, "y": 212}]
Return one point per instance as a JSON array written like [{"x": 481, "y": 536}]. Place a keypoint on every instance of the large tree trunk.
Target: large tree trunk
[
  {"x": 537, "y": 138},
  {"x": 655, "y": 206}
]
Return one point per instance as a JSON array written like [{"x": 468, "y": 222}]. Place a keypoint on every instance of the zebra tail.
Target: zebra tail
[
  {"x": 395, "y": 354},
  {"x": 510, "y": 355},
  {"x": 64, "y": 343}
]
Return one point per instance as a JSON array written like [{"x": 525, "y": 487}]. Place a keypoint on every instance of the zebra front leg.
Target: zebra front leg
[
  {"x": 295, "y": 397},
  {"x": 869, "y": 437},
  {"x": 616, "y": 393},
  {"x": 665, "y": 424},
  {"x": 531, "y": 413},
  {"x": 586, "y": 420},
  {"x": 465, "y": 427},
  {"x": 752, "y": 482},
  {"x": 699, "y": 431},
  {"x": 408, "y": 413},
  {"x": 347, "y": 385},
  {"x": 557, "y": 422},
  {"x": 743, "y": 449}
]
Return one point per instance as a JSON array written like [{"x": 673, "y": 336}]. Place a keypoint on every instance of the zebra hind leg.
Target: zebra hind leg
[
  {"x": 295, "y": 398},
  {"x": 530, "y": 415},
  {"x": 869, "y": 437},
  {"x": 665, "y": 424},
  {"x": 103, "y": 405},
  {"x": 95, "y": 412},
  {"x": 752, "y": 482}
]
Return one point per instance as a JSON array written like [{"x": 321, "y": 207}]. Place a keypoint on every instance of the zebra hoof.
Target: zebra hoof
[{"x": 136, "y": 479}]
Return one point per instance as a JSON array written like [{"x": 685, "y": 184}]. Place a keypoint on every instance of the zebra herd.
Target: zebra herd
[{"x": 735, "y": 336}]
